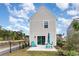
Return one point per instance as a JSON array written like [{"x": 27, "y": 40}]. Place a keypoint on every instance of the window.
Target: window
[{"x": 45, "y": 24}]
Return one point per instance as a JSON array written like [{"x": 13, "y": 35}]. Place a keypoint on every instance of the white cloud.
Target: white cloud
[
  {"x": 75, "y": 11},
  {"x": 62, "y": 6},
  {"x": 75, "y": 17},
  {"x": 23, "y": 12},
  {"x": 58, "y": 30},
  {"x": 76, "y": 6},
  {"x": 19, "y": 18},
  {"x": 13, "y": 20},
  {"x": 64, "y": 21},
  {"x": 62, "y": 25},
  {"x": 28, "y": 6},
  {"x": 18, "y": 27},
  {"x": 72, "y": 12}
]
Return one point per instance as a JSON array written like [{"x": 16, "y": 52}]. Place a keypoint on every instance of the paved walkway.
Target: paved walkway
[
  {"x": 41, "y": 49},
  {"x": 5, "y": 50}
]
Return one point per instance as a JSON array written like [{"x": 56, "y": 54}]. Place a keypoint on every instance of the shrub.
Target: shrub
[
  {"x": 67, "y": 53},
  {"x": 72, "y": 42},
  {"x": 1, "y": 39},
  {"x": 61, "y": 52},
  {"x": 60, "y": 43},
  {"x": 71, "y": 53}
]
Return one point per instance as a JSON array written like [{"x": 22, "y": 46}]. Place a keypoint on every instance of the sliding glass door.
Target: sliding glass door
[{"x": 41, "y": 40}]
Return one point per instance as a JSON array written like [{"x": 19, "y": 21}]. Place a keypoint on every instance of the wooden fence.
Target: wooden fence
[{"x": 21, "y": 43}]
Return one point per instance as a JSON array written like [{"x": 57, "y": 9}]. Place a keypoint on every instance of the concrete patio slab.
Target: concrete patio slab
[{"x": 41, "y": 49}]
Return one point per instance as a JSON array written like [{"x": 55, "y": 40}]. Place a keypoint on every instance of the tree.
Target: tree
[
  {"x": 75, "y": 25},
  {"x": 11, "y": 35},
  {"x": 0, "y": 27},
  {"x": 72, "y": 42},
  {"x": 5, "y": 34}
]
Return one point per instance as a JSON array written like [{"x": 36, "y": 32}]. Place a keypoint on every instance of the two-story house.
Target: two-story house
[{"x": 42, "y": 28}]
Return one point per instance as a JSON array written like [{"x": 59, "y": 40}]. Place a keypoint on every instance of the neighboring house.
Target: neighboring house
[
  {"x": 59, "y": 36},
  {"x": 70, "y": 29},
  {"x": 43, "y": 28}
]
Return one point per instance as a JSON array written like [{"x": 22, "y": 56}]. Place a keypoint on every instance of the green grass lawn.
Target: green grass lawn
[{"x": 24, "y": 52}]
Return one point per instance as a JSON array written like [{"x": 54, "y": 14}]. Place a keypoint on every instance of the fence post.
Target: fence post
[
  {"x": 24, "y": 44},
  {"x": 10, "y": 46},
  {"x": 19, "y": 45},
  {"x": 28, "y": 43}
]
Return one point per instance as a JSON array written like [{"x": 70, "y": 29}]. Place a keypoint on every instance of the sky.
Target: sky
[{"x": 16, "y": 16}]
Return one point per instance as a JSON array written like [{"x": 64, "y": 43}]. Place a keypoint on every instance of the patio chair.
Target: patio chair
[
  {"x": 33, "y": 44},
  {"x": 49, "y": 45}
]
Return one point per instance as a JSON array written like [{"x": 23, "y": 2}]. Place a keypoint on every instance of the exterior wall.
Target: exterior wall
[{"x": 37, "y": 26}]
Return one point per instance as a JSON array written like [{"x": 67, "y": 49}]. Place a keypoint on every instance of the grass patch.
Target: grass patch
[{"x": 24, "y": 52}]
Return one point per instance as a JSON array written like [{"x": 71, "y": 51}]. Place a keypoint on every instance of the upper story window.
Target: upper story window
[{"x": 45, "y": 24}]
